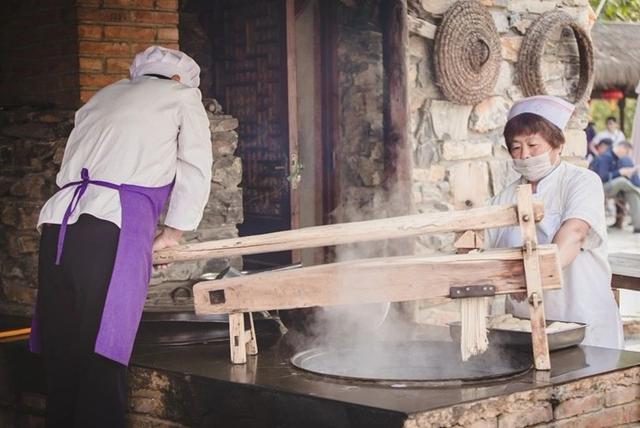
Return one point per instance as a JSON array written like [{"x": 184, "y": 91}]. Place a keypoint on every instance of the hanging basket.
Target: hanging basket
[
  {"x": 529, "y": 65},
  {"x": 467, "y": 53}
]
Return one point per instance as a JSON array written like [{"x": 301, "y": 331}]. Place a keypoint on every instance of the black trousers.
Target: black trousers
[{"x": 83, "y": 389}]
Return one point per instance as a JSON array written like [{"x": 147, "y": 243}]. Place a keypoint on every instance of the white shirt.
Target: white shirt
[
  {"x": 568, "y": 192},
  {"x": 145, "y": 132},
  {"x": 614, "y": 136}
]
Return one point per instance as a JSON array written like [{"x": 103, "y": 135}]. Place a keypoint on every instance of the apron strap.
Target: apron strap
[{"x": 81, "y": 187}]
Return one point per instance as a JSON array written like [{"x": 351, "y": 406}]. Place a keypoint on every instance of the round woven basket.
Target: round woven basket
[
  {"x": 467, "y": 53},
  {"x": 529, "y": 65}
]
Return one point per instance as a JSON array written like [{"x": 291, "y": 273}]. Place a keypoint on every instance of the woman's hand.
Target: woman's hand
[{"x": 169, "y": 237}]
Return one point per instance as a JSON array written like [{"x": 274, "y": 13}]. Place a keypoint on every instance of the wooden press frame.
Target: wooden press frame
[{"x": 502, "y": 271}]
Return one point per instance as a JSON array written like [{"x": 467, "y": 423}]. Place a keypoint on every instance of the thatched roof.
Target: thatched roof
[{"x": 617, "y": 55}]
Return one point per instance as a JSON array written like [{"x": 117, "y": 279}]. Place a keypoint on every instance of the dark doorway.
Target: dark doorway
[{"x": 251, "y": 79}]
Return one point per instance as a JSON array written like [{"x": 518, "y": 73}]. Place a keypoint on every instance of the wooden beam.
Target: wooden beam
[
  {"x": 292, "y": 122},
  {"x": 345, "y": 233},
  {"x": 398, "y": 161},
  {"x": 626, "y": 271},
  {"x": 393, "y": 279},
  {"x": 533, "y": 278},
  {"x": 421, "y": 28}
]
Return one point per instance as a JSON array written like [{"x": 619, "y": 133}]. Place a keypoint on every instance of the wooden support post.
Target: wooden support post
[
  {"x": 237, "y": 340},
  {"x": 252, "y": 343},
  {"x": 533, "y": 278},
  {"x": 397, "y": 147}
]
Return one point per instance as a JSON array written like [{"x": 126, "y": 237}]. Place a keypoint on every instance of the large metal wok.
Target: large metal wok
[{"x": 413, "y": 362}]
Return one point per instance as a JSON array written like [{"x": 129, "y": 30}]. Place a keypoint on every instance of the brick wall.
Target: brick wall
[
  {"x": 38, "y": 45},
  {"x": 74, "y": 48},
  {"x": 111, "y": 32},
  {"x": 600, "y": 401}
]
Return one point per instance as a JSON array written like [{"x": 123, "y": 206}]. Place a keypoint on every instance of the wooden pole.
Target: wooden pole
[
  {"x": 398, "y": 161},
  {"x": 533, "y": 278},
  {"x": 390, "y": 279},
  {"x": 345, "y": 233}
]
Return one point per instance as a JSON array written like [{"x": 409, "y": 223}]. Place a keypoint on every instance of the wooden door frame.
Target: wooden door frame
[{"x": 292, "y": 115}]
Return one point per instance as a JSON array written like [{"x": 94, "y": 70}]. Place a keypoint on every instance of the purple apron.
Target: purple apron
[{"x": 127, "y": 290}]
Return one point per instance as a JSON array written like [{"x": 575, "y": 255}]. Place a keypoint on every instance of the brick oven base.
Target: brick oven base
[{"x": 197, "y": 386}]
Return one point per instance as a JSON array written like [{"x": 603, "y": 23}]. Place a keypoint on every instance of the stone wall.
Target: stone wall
[
  {"x": 459, "y": 155},
  {"x": 460, "y": 159},
  {"x": 601, "y": 401},
  {"x": 32, "y": 142}
]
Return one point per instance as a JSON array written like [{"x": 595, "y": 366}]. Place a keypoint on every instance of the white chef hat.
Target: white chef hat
[
  {"x": 166, "y": 62},
  {"x": 554, "y": 109}
]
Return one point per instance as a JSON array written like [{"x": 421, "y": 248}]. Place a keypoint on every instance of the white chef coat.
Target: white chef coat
[
  {"x": 146, "y": 131},
  {"x": 569, "y": 192}
]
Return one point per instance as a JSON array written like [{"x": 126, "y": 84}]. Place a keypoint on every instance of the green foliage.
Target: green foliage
[
  {"x": 619, "y": 10},
  {"x": 599, "y": 110}
]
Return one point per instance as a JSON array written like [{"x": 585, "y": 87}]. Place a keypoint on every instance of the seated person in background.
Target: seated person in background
[
  {"x": 612, "y": 132},
  {"x": 619, "y": 176},
  {"x": 600, "y": 147},
  {"x": 603, "y": 146}
]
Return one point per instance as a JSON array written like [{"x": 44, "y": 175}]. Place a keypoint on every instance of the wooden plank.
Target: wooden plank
[
  {"x": 330, "y": 100},
  {"x": 398, "y": 161},
  {"x": 292, "y": 113},
  {"x": 237, "y": 341},
  {"x": 344, "y": 233},
  {"x": 14, "y": 333},
  {"x": 533, "y": 278},
  {"x": 466, "y": 241},
  {"x": 625, "y": 282},
  {"x": 421, "y": 27},
  {"x": 625, "y": 264},
  {"x": 252, "y": 343},
  {"x": 392, "y": 279}
]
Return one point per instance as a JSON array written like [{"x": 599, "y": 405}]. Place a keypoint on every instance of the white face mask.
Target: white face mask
[{"x": 535, "y": 167}]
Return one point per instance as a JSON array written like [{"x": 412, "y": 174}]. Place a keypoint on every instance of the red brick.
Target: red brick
[
  {"x": 139, "y": 47},
  {"x": 86, "y": 94},
  {"x": 89, "y": 32},
  {"x": 167, "y": 4},
  {"x": 621, "y": 395},
  {"x": 115, "y": 32},
  {"x": 578, "y": 406},
  {"x": 168, "y": 34},
  {"x": 103, "y": 48},
  {"x": 91, "y": 14},
  {"x": 118, "y": 65},
  {"x": 154, "y": 17},
  {"x": 96, "y": 79},
  {"x": 90, "y": 64},
  {"x": 130, "y": 4}
]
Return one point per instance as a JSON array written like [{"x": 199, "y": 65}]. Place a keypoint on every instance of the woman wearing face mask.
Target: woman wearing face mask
[{"x": 574, "y": 219}]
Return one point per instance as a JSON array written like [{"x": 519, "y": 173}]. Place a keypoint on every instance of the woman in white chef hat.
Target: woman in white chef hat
[
  {"x": 574, "y": 219},
  {"x": 136, "y": 144}
]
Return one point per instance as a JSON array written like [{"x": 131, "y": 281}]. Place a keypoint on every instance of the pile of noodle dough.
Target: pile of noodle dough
[{"x": 473, "y": 317}]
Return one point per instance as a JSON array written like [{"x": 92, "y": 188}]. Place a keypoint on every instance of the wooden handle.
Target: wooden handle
[
  {"x": 345, "y": 233},
  {"x": 14, "y": 333},
  {"x": 391, "y": 279}
]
